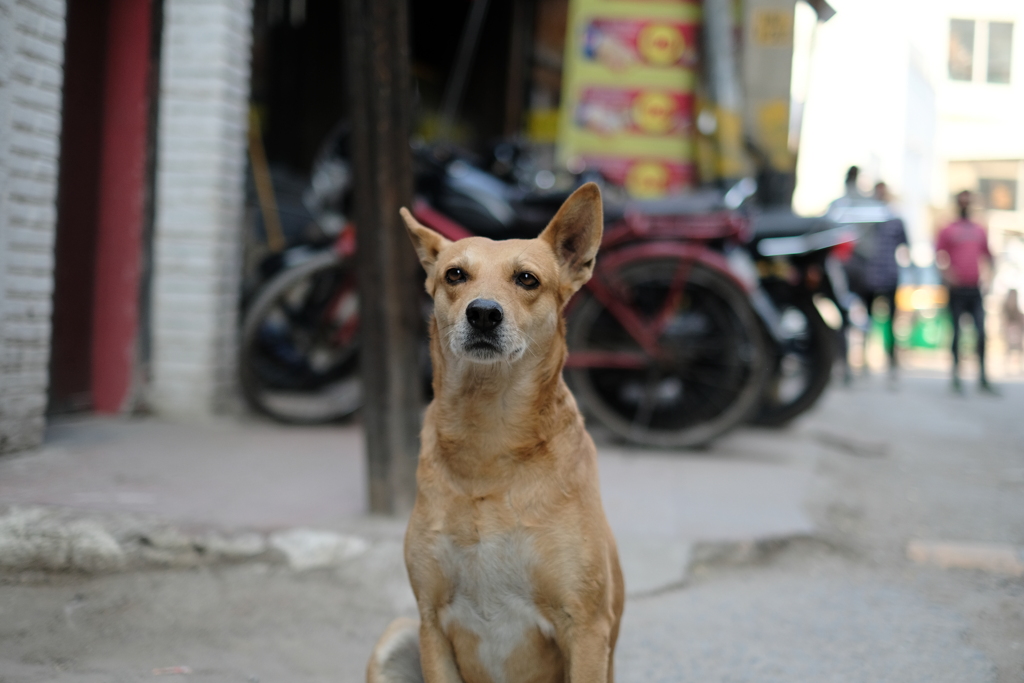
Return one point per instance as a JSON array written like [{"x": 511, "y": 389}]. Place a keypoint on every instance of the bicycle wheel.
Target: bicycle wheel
[
  {"x": 803, "y": 361},
  {"x": 299, "y": 360},
  {"x": 710, "y": 367}
]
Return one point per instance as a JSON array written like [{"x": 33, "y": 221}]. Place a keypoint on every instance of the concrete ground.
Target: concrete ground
[{"x": 772, "y": 556}]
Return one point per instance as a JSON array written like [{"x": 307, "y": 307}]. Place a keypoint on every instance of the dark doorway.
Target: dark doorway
[
  {"x": 78, "y": 202},
  {"x": 298, "y": 85}
]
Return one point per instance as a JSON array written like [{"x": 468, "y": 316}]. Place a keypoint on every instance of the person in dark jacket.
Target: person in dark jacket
[{"x": 881, "y": 270}]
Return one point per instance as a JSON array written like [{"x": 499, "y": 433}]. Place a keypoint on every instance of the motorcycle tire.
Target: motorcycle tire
[
  {"x": 712, "y": 373},
  {"x": 803, "y": 361},
  {"x": 295, "y": 365}
]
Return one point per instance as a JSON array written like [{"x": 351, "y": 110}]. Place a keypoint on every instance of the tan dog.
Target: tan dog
[{"x": 511, "y": 559}]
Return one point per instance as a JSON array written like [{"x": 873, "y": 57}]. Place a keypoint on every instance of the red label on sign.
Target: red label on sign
[
  {"x": 620, "y": 43},
  {"x": 644, "y": 177},
  {"x": 608, "y": 111}
]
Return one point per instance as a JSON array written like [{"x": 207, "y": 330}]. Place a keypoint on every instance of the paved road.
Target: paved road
[{"x": 870, "y": 470}]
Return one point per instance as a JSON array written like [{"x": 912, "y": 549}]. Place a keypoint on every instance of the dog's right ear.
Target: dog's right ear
[{"x": 428, "y": 243}]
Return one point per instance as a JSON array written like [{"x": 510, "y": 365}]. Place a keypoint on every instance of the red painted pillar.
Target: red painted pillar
[{"x": 121, "y": 203}]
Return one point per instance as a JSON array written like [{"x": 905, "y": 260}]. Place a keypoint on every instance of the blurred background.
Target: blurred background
[
  {"x": 197, "y": 382},
  {"x": 139, "y": 135}
]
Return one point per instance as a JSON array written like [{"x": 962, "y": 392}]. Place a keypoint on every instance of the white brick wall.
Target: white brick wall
[
  {"x": 203, "y": 119},
  {"x": 31, "y": 75}
]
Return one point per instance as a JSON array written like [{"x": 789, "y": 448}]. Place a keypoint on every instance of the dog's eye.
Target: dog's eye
[
  {"x": 454, "y": 276},
  {"x": 527, "y": 280}
]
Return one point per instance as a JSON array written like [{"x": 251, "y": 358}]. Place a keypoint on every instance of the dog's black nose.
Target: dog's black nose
[{"x": 484, "y": 314}]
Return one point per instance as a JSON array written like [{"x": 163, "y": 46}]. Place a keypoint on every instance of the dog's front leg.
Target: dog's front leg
[
  {"x": 589, "y": 655},
  {"x": 437, "y": 658}
]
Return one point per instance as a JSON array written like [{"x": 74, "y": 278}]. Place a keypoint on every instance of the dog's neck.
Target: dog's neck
[{"x": 485, "y": 413}]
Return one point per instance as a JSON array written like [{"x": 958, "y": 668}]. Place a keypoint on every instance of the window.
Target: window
[
  {"x": 1000, "y": 43},
  {"x": 992, "y": 53},
  {"x": 998, "y": 193},
  {"x": 961, "y": 49},
  {"x": 994, "y": 183}
]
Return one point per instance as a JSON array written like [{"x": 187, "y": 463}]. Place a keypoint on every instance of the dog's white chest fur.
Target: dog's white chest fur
[{"x": 493, "y": 595}]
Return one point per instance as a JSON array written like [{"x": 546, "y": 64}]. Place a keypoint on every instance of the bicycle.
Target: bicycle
[{"x": 665, "y": 348}]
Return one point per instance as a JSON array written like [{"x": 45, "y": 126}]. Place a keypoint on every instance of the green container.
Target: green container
[{"x": 933, "y": 331}]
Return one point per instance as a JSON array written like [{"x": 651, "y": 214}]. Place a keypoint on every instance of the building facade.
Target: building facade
[
  {"x": 31, "y": 78},
  {"x": 980, "y": 136},
  {"x": 200, "y": 183},
  {"x": 122, "y": 170}
]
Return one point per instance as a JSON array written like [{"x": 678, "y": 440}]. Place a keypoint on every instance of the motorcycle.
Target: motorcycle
[
  {"x": 674, "y": 341},
  {"x": 800, "y": 275},
  {"x": 665, "y": 348}
]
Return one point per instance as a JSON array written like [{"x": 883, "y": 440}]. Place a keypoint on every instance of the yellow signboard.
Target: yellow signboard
[{"x": 627, "y": 95}]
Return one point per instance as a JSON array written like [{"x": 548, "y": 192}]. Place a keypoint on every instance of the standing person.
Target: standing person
[
  {"x": 870, "y": 266},
  {"x": 882, "y": 272},
  {"x": 852, "y": 174},
  {"x": 1013, "y": 329},
  {"x": 851, "y": 267},
  {"x": 958, "y": 253}
]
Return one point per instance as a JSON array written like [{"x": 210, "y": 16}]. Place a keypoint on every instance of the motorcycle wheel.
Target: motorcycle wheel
[
  {"x": 711, "y": 373},
  {"x": 803, "y": 361},
  {"x": 299, "y": 360}
]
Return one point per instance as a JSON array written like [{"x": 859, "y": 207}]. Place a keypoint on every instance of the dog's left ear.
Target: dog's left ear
[
  {"x": 575, "y": 235},
  {"x": 428, "y": 243}
]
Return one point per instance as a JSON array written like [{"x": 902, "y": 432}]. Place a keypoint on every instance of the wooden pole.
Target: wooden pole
[
  {"x": 519, "y": 59},
  {"x": 390, "y": 286},
  {"x": 264, "y": 184}
]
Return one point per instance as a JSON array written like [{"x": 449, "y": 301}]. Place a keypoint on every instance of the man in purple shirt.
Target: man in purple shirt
[{"x": 958, "y": 252}]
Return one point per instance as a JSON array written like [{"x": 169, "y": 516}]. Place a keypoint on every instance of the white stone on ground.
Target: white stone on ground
[{"x": 310, "y": 548}]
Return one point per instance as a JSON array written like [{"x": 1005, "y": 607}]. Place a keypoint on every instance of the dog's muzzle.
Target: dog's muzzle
[{"x": 484, "y": 338}]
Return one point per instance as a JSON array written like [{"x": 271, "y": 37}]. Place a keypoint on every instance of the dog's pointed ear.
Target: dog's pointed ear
[
  {"x": 575, "y": 235},
  {"x": 428, "y": 243}
]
